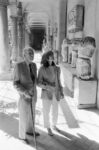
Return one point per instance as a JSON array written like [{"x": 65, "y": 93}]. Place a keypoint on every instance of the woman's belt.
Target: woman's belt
[{"x": 49, "y": 83}]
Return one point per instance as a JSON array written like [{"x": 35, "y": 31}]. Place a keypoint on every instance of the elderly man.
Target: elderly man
[{"x": 25, "y": 75}]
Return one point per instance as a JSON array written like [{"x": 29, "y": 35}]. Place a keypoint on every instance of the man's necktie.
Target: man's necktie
[{"x": 31, "y": 73}]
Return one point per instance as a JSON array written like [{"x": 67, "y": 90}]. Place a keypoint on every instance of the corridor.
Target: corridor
[{"x": 78, "y": 128}]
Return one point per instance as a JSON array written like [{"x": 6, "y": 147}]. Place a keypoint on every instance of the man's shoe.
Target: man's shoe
[
  {"x": 24, "y": 141},
  {"x": 32, "y": 134},
  {"x": 37, "y": 134},
  {"x": 50, "y": 131}
]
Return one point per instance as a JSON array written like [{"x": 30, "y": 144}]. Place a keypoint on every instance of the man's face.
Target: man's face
[{"x": 29, "y": 56}]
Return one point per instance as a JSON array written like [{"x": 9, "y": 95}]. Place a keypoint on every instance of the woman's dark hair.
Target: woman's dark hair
[{"x": 45, "y": 58}]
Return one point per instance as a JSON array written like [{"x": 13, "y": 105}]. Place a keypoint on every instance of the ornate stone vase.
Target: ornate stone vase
[{"x": 86, "y": 52}]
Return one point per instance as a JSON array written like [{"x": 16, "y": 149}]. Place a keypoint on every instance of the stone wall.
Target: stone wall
[
  {"x": 91, "y": 28},
  {"x": 71, "y": 5},
  {"x": 97, "y": 44},
  {"x": 62, "y": 23}
]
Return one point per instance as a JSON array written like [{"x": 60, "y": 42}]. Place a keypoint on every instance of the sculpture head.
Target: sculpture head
[{"x": 88, "y": 40}]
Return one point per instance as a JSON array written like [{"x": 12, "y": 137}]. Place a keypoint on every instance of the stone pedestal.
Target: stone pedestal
[
  {"x": 85, "y": 93},
  {"x": 4, "y": 48}
]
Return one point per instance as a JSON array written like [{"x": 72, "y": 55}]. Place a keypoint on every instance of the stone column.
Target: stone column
[
  {"x": 20, "y": 32},
  {"x": 26, "y": 38},
  {"x": 14, "y": 38},
  {"x": 4, "y": 48},
  {"x": 20, "y": 39},
  {"x": 62, "y": 22},
  {"x": 23, "y": 44},
  {"x": 46, "y": 31}
]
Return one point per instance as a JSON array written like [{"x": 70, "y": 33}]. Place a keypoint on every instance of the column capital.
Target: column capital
[{"x": 4, "y": 2}]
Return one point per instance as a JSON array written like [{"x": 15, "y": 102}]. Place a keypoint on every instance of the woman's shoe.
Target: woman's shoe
[
  {"x": 26, "y": 141},
  {"x": 50, "y": 131},
  {"x": 37, "y": 134},
  {"x": 56, "y": 129}
]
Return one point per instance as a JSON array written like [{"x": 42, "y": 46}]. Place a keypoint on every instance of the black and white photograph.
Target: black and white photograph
[{"x": 49, "y": 74}]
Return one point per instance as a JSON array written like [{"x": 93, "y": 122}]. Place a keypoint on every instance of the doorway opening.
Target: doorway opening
[{"x": 36, "y": 38}]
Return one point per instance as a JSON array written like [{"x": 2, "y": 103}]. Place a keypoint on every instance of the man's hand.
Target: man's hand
[
  {"x": 31, "y": 92},
  {"x": 27, "y": 94}
]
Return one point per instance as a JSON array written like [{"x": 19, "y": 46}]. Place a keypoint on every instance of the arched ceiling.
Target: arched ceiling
[
  {"x": 37, "y": 19},
  {"x": 38, "y": 12}
]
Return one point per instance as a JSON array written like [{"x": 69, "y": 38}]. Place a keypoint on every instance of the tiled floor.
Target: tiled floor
[{"x": 79, "y": 128}]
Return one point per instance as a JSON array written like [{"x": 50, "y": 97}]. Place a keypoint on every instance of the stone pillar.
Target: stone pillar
[
  {"x": 26, "y": 38},
  {"x": 20, "y": 37},
  {"x": 4, "y": 48},
  {"x": 23, "y": 45},
  {"x": 14, "y": 38},
  {"x": 62, "y": 22},
  {"x": 20, "y": 32},
  {"x": 46, "y": 31}
]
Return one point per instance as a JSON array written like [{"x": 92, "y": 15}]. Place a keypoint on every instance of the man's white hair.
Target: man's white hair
[{"x": 27, "y": 49}]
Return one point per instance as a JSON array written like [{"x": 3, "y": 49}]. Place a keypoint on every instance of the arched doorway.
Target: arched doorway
[{"x": 36, "y": 37}]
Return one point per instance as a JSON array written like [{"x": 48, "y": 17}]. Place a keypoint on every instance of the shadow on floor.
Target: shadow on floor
[
  {"x": 67, "y": 92},
  {"x": 69, "y": 117},
  {"x": 94, "y": 110},
  {"x": 60, "y": 141},
  {"x": 46, "y": 142},
  {"x": 63, "y": 141}
]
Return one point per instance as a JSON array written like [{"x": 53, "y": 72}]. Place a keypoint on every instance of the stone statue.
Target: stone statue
[{"x": 85, "y": 53}]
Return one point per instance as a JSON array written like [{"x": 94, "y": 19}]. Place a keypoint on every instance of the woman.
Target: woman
[
  {"x": 25, "y": 75},
  {"x": 49, "y": 81}
]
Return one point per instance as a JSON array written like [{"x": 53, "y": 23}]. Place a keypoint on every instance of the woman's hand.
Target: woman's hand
[
  {"x": 47, "y": 87},
  {"x": 50, "y": 88},
  {"x": 42, "y": 86}
]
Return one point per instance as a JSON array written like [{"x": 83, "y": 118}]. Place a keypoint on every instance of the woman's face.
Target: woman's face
[{"x": 50, "y": 60}]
